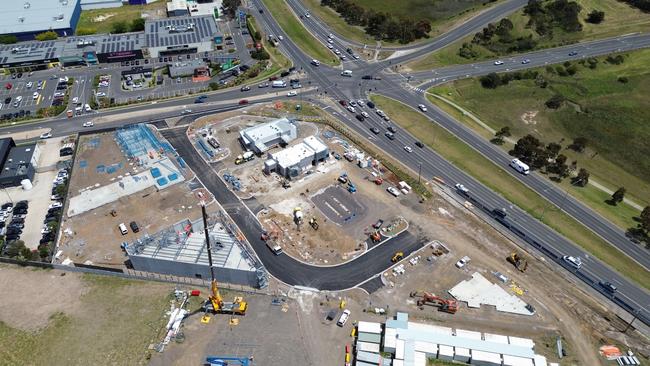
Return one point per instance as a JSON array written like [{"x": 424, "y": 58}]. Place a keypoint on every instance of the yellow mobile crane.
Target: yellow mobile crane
[{"x": 215, "y": 302}]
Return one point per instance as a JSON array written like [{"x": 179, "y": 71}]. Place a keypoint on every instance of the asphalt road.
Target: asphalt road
[{"x": 284, "y": 267}]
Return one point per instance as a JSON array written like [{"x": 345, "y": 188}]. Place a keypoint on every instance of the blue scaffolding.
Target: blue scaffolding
[{"x": 138, "y": 140}]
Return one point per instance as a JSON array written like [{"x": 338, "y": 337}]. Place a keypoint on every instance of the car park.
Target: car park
[{"x": 574, "y": 262}]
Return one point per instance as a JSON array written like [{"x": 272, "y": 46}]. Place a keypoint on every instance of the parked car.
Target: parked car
[
  {"x": 343, "y": 318},
  {"x": 134, "y": 227},
  {"x": 463, "y": 262},
  {"x": 46, "y": 135}
]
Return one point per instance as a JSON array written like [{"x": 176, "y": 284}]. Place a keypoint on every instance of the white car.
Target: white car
[
  {"x": 330, "y": 46},
  {"x": 292, "y": 93},
  {"x": 394, "y": 191},
  {"x": 343, "y": 318},
  {"x": 360, "y": 102},
  {"x": 498, "y": 62},
  {"x": 380, "y": 112},
  {"x": 55, "y": 205},
  {"x": 462, "y": 262},
  {"x": 351, "y": 109},
  {"x": 461, "y": 188},
  {"x": 35, "y": 95},
  {"x": 101, "y": 94},
  {"x": 46, "y": 135},
  {"x": 29, "y": 85},
  {"x": 88, "y": 124},
  {"x": 19, "y": 98},
  {"x": 365, "y": 114},
  {"x": 422, "y": 107},
  {"x": 574, "y": 262},
  {"x": 337, "y": 52},
  {"x": 87, "y": 108},
  {"x": 307, "y": 15},
  {"x": 353, "y": 103},
  {"x": 281, "y": 38},
  {"x": 408, "y": 149},
  {"x": 75, "y": 100},
  {"x": 330, "y": 35},
  {"x": 329, "y": 40},
  {"x": 356, "y": 57}
]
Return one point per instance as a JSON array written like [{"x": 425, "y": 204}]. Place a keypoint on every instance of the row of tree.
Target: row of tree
[
  {"x": 641, "y": 233},
  {"x": 644, "y": 5},
  {"x": 544, "y": 16},
  {"x": 498, "y": 38},
  {"x": 381, "y": 25}
]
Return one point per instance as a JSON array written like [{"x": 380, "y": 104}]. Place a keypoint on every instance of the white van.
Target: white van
[
  {"x": 520, "y": 166},
  {"x": 123, "y": 229},
  {"x": 347, "y": 73}
]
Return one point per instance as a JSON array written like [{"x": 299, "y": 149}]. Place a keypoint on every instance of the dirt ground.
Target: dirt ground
[{"x": 94, "y": 151}]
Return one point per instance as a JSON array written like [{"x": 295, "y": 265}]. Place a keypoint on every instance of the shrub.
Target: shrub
[
  {"x": 47, "y": 36},
  {"x": 555, "y": 101},
  {"x": 596, "y": 17},
  {"x": 623, "y": 79},
  {"x": 8, "y": 39}
]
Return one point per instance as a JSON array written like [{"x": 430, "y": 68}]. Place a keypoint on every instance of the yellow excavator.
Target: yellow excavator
[
  {"x": 215, "y": 302},
  {"x": 518, "y": 261}
]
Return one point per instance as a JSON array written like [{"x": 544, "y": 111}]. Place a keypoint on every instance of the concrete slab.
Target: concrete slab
[
  {"x": 339, "y": 205},
  {"x": 479, "y": 291}
]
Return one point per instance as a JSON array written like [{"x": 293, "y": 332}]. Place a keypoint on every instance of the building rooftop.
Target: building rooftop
[
  {"x": 174, "y": 5},
  {"x": 293, "y": 155},
  {"x": 261, "y": 134},
  {"x": 30, "y": 51},
  {"x": 103, "y": 43},
  {"x": 185, "y": 243},
  {"x": 18, "y": 161},
  {"x": 36, "y": 15},
  {"x": 179, "y": 31}
]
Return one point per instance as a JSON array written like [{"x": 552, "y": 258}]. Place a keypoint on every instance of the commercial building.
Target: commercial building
[
  {"x": 187, "y": 68},
  {"x": 262, "y": 137},
  {"x": 180, "y": 35},
  {"x": 413, "y": 344},
  {"x": 18, "y": 162},
  {"x": 26, "y": 19},
  {"x": 204, "y": 7},
  {"x": 293, "y": 161},
  {"x": 181, "y": 251},
  {"x": 100, "y": 4},
  {"x": 177, "y": 8}
]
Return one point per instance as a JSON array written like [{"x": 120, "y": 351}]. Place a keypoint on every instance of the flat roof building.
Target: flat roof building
[
  {"x": 261, "y": 138},
  {"x": 19, "y": 163},
  {"x": 293, "y": 161},
  {"x": 100, "y": 4},
  {"x": 177, "y": 8},
  {"x": 26, "y": 19},
  {"x": 178, "y": 35},
  {"x": 186, "y": 68}
]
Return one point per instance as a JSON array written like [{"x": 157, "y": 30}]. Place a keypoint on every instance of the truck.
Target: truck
[
  {"x": 275, "y": 248},
  {"x": 347, "y": 73},
  {"x": 520, "y": 166},
  {"x": 247, "y": 156},
  {"x": 278, "y": 84}
]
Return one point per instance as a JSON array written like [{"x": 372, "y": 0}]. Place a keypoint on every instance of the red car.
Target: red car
[
  {"x": 8, "y": 86},
  {"x": 243, "y": 101},
  {"x": 272, "y": 78},
  {"x": 343, "y": 103}
]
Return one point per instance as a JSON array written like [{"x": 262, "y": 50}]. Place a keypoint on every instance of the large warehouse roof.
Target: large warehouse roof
[
  {"x": 179, "y": 31},
  {"x": 36, "y": 15}
]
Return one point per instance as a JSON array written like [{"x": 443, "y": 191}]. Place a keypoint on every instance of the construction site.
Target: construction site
[{"x": 463, "y": 293}]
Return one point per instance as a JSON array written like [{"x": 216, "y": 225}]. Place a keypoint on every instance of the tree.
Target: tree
[
  {"x": 47, "y": 36},
  {"x": 490, "y": 81},
  {"x": 137, "y": 25},
  {"x": 596, "y": 17},
  {"x": 555, "y": 101},
  {"x": 553, "y": 149},
  {"x": 230, "y": 7},
  {"x": 530, "y": 150},
  {"x": 644, "y": 219},
  {"x": 579, "y": 144},
  {"x": 119, "y": 27},
  {"x": 85, "y": 31},
  {"x": 582, "y": 179},
  {"x": 8, "y": 39},
  {"x": 617, "y": 197}
]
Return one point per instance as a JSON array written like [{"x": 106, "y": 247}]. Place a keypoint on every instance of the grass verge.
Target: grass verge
[
  {"x": 299, "y": 34},
  {"x": 619, "y": 19},
  {"x": 609, "y": 113},
  {"x": 494, "y": 177},
  {"x": 117, "y": 321}
]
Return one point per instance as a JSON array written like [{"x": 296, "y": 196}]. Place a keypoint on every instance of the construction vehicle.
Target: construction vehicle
[
  {"x": 247, "y": 156},
  {"x": 397, "y": 257},
  {"x": 518, "y": 261},
  {"x": 343, "y": 178},
  {"x": 313, "y": 223},
  {"x": 376, "y": 237},
  {"x": 378, "y": 181},
  {"x": 215, "y": 302},
  {"x": 351, "y": 187},
  {"x": 297, "y": 215},
  {"x": 445, "y": 305},
  {"x": 286, "y": 184},
  {"x": 270, "y": 242}
]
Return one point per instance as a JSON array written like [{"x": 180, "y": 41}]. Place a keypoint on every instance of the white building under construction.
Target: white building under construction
[
  {"x": 181, "y": 251},
  {"x": 294, "y": 160},
  {"x": 265, "y": 136}
]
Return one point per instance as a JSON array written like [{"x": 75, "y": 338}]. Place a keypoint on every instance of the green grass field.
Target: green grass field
[
  {"x": 614, "y": 123},
  {"x": 118, "y": 321},
  {"x": 442, "y": 15},
  {"x": 299, "y": 35},
  {"x": 619, "y": 19},
  {"x": 466, "y": 158},
  {"x": 102, "y": 20}
]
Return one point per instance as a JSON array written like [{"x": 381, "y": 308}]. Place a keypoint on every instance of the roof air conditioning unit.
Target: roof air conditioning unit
[
  {"x": 27, "y": 5},
  {"x": 21, "y": 19}
]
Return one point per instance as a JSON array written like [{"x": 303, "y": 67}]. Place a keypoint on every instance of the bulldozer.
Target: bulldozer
[
  {"x": 397, "y": 257},
  {"x": 518, "y": 261},
  {"x": 445, "y": 305}
]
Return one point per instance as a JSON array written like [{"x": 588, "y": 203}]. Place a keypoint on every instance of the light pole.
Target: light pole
[{"x": 419, "y": 171}]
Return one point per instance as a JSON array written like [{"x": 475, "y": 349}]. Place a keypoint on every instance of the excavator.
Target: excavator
[
  {"x": 445, "y": 305},
  {"x": 215, "y": 302},
  {"x": 518, "y": 261},
  {"x": 397, "y": 257}
]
